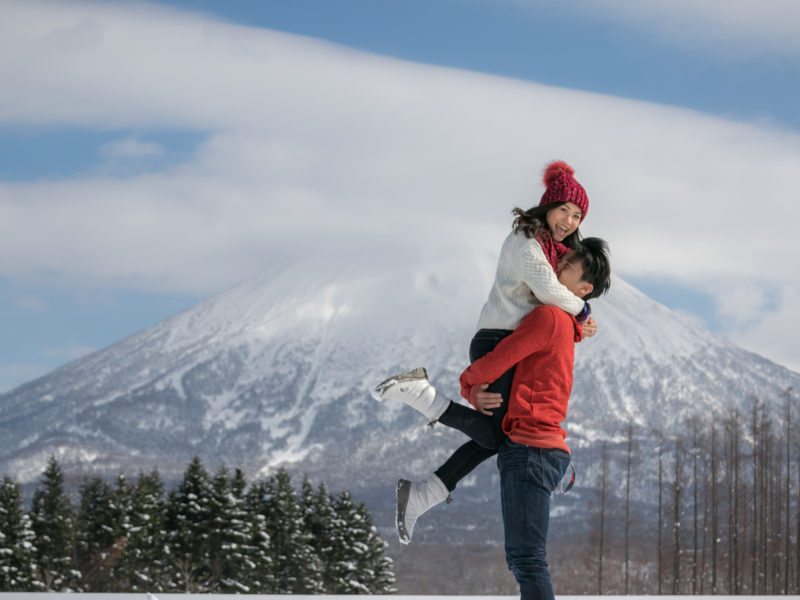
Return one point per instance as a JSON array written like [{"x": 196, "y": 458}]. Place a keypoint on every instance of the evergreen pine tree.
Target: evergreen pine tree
[
  {"x": 260, "y": 573},
  {"x": 361, "y": 567},
  {"x": 229, "y": 535},
  {"x": 17, "y": 552},
  {"x": 378, "y": 568},
  {"x": 241, "y": 533},
  {"x": 321, "y": 522},
  {"x": 121, "y": 506},
  {"x": 296, "y": 567},
  {"x": 189, "y": 524},
  {"x": 54, "y": 527},
  {"x": 142, "y": 564},
  {"x": 94, "y": 534}
]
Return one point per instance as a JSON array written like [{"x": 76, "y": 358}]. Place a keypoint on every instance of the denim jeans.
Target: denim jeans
[{"x": 527, "y": 478}]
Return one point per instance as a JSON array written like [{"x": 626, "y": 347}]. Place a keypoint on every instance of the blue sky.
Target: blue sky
[
  {"x": 80, "y": 148},
  {"x": 548, "y": 42}
]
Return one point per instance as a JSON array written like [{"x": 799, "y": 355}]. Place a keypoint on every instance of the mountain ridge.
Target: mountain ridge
[{"x": 277, "y": 371}]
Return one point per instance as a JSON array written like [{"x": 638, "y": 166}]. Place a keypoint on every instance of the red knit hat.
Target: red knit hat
[{"x": 562, "y": 187}]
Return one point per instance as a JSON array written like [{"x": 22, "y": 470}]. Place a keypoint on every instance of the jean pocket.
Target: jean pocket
[{"x": 554, "y": 465}]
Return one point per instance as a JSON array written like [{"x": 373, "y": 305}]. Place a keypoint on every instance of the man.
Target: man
[{"x": 534, "y": 458}]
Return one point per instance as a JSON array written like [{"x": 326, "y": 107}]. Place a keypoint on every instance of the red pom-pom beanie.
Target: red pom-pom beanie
[{"x": 561, "y": 186}]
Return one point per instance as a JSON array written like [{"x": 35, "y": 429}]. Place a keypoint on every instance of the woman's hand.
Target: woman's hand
[
  {"x": 589, "y": 328},
  {"x": 483, "y": 400}
]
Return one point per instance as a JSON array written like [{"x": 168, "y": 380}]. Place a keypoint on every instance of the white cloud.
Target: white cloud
[
  {"x": 312, "y": 148},
  {"x": 741, "y": 303},
  {"x": 730, "y": 27},
  {"x": 774, "y": 335},
  {"x": 131, "y": 149}
]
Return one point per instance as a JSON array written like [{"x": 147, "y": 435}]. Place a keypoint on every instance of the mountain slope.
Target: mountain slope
[{"x": 278, "y": 370}]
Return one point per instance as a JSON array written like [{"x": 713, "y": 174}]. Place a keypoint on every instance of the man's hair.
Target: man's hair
[{"x": 592, "y": 253}]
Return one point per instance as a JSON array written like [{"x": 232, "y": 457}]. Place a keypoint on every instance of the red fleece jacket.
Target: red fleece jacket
[{"x": 543, "y": 350}]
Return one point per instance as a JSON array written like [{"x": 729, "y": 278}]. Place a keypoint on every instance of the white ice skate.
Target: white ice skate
[
  {"x": 415, "y": 498},
  {"x": 414, "y": 389}
]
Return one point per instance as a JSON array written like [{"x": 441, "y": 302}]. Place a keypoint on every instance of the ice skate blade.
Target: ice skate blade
[
  {"x": 386, "y": 384},
  {"x": 402, "y": 494}
]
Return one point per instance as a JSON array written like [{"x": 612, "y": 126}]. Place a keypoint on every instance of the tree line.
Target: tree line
[
  {"x": 727, "y": 515},
  {"x": 212, "y": 533}
]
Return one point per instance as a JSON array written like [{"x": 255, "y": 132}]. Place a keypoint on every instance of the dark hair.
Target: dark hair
[
  {"x": 593, "y": 254},
  {"x": 532, "y": 220}
]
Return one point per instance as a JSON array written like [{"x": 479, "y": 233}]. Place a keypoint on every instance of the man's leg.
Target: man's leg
[{"x": 527, "y": 478}]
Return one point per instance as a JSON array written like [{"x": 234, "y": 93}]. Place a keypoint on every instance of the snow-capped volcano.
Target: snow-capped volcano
[{"x": 278, "y": 369}]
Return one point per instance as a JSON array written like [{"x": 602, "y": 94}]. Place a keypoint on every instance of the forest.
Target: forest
[{"x": 212, "y": 533}]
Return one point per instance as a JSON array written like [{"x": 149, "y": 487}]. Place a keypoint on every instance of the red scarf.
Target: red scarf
[{"x": 552, "y": 249}]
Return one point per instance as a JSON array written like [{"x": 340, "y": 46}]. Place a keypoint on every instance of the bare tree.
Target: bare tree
[
  {"x": 628, "y": 502},
  {"x": 695, "y": 505},
  {"x": 737, "y": 587},
  {"x": 777, "y": 533},
  {"x": 660, "y": 507},
  {"x": 704, "y": 545},
  {"x": 676, "y": 519},
  {"x": 732, "y": 463},
  {"x": 754, "y": 522},
  {"x": 788, "y": 499},
  {"x": 714, "y": 508},
  {"x": 603, "y": 486},
  {"x": 764, "y": 507}
]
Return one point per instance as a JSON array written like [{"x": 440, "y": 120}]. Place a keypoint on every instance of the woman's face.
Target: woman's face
[{"x": 563, "y": 220}]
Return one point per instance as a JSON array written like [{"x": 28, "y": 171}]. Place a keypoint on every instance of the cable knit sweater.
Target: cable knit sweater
[{"x": 524, "y": 280}]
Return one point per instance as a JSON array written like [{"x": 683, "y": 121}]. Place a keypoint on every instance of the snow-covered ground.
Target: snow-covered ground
[{"x": 44, "y": 596}]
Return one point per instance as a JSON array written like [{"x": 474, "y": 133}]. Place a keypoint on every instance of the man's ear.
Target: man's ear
[{"x": 584, "y": 289}]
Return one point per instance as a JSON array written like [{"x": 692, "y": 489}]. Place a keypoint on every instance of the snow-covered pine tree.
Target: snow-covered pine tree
[
  {"x": 379, "y": 574},
  {"x": 121, "y": 506},
  {"x": 141, "y": 566},
  {"x": 54, "y": 526},
  {"x": 321, "y": 521},
  {"x": 260, "y": 574},
  {"x": 188, "y": 524},
  {"x": 17, "y": 552},
  {"x": 229, "y": 534},
  {"x": 94, "y": 534},
  {"x": 348, "y": 547},
  {"x": 296, "y": 567},
  {"x": 361, "y": 566}
]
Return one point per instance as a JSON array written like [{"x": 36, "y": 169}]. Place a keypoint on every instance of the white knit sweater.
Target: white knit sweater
[{"x": 523, "y": 281}]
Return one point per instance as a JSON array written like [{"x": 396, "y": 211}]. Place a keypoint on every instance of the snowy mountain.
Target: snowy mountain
[{"x": 277, "y": 371}]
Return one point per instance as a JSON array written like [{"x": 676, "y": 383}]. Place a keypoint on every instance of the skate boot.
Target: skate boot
[
  {"x": 414, "y": 389},
  {"x": 415, "y": 498}
]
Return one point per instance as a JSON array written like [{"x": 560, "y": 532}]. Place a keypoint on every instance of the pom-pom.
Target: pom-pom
[{"x": 555, "y": 170}]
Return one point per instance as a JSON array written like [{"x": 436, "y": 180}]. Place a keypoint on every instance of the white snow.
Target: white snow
[
  {"x": 162, "y": 596},
  {"x": 284, "y": 362}
]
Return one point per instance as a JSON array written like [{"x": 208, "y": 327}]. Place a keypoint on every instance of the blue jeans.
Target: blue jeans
[{"x": 527, "y": 478}]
